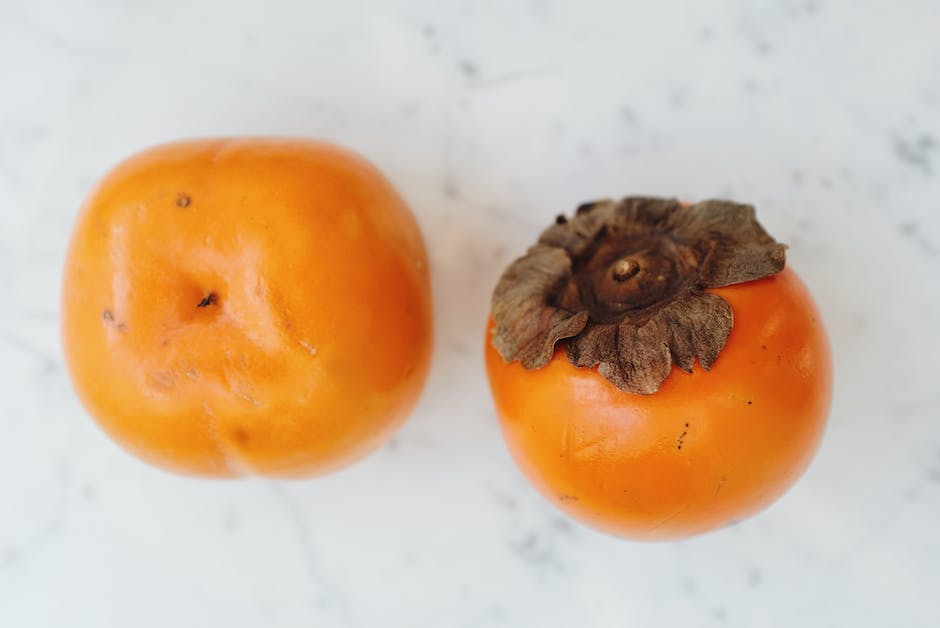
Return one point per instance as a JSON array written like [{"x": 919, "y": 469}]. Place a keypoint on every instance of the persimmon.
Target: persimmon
[
  {"x": 657, "y": 370},
  {"x": 247, "y": 306}
]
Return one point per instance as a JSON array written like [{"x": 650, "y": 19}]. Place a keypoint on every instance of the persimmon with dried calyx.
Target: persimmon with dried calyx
[
  {"x": 657, "y": 370},
  {"x": 247, "y": 306}
]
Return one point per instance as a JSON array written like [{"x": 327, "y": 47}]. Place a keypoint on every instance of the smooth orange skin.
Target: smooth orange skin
[
  {"x": 319, "y": 344},
  {"x": 747, "y": 428}
]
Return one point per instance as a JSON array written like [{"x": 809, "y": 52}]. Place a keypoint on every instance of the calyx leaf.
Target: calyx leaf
[{"x": 623, "y": 285}]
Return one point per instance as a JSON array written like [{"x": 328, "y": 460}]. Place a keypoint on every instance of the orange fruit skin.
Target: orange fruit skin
[
  {"x": 706, "y": 450},
  {"x": 317, "y": 343}
]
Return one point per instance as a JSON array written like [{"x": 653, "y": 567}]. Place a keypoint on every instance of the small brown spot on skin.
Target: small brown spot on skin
[
  {"x": 564, "y": 497},
  {"x": 749, "y": 402},
  {"x": 108, "y": 317},
  {"x": 183, "y": 200},
  {"x": 209, "y": 299},
  {"x": 240, "y": 435},
  {"x": 682, "y": 437}
]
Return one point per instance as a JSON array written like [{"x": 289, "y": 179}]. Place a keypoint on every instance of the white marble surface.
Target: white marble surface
[{"x": 491, "y": 118}]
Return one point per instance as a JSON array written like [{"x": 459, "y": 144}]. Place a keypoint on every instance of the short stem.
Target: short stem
[{"x": 624, "y": 268}]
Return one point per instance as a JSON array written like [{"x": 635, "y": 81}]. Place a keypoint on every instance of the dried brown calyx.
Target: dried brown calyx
[{"x": 623, "y": 284}]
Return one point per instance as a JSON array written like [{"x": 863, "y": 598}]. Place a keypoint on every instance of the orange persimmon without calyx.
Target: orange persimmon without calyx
[
  {"x": 247, "y": 306},
  {"x": 591, "y": 356}
]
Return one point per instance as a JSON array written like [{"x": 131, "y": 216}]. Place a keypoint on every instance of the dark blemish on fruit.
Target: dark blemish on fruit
[
  {"x": 108, "y": 317},
  {"x": 564, "y": 497},
  {"x": 210, "y": 299},
  {"x": 183, "y": 200},
  {"x": 682, "y": 437},
  {"x": 763, "y": 347},
  {"x": 749, "y": 402},
  {"x": 240, "y": 435}
]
